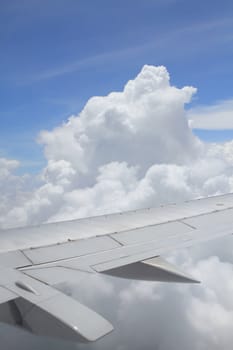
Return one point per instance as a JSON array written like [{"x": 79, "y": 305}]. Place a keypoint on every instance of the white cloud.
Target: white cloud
[
  {"x": 216, "y": 117},
  {"x": 100, "y": 160},
  {"x": 14, "y": 190},
  {"x": 127, "y": 150},
  {"x": 126, "y": 126}
]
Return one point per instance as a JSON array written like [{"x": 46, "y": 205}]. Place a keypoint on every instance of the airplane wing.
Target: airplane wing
[{"x": 34, "y": 260}]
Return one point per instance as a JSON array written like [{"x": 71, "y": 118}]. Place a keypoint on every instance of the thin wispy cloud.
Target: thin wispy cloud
[
  {"x": 216, "y": 117},
  {"x": 83, "y": 63},
  {"x": 160, "y": 42}
]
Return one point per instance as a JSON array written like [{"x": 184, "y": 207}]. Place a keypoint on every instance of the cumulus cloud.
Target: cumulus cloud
[
  {"x": 126, "y": 126},
  {"x": 134, "y": 149},
  {"x": 14, "y": 189},
  {"x": 216, "y": 117},
  {"x": 129, "y": 149}
]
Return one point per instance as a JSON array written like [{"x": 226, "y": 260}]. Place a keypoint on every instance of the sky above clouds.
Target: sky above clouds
[
  {"x": 55, "y": 55},
  {"x": 114, "y": 106}
]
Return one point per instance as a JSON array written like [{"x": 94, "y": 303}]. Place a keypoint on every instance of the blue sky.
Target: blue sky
[{"x": 55, "y": 54}]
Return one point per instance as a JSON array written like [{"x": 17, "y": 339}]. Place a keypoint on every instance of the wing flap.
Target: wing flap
[
  {"x": 63, "y": 317},
  {"x": 47, "y": 311},
  {"x": 6, "y": 295},
  {"x": 57, "y": 274},
  {"x": 167, "y": 272},
  {"x": 154, "y": 269}
]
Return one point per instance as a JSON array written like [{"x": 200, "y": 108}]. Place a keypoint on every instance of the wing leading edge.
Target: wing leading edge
[{"x": 128, "y": 245}]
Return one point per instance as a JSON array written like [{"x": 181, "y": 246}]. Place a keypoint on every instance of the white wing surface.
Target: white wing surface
[{"x": 33, "y": 260}]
